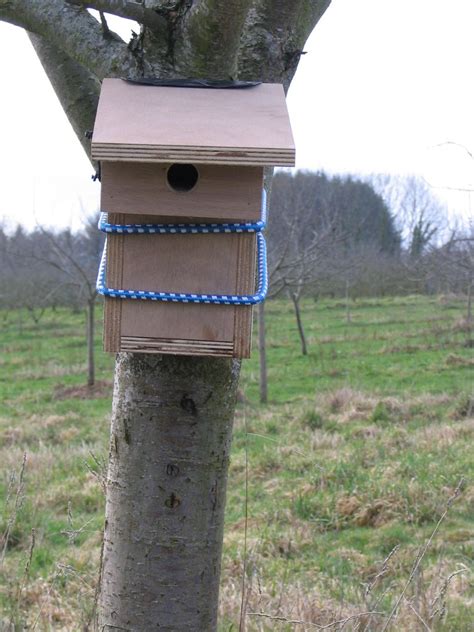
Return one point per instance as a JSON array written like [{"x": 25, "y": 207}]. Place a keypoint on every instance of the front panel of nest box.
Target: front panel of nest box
[
  {"x": 182, "y": 190},
  {"x": 203, "y": 263}
]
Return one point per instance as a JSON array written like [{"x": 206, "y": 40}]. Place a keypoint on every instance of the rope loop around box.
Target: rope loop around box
[{"x": 190, "y": 229}]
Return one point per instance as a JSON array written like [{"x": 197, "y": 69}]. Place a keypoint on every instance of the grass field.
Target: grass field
[{"x": 352, "y": 467}]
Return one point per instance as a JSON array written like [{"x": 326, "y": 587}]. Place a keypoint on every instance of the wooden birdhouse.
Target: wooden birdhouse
[{"x": 183, "y": 208}]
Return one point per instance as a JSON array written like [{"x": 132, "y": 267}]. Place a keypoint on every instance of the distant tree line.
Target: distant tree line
[
  {"x": 346, "y": 237},
  {"x": 382, "y": 235},
  {"x": 328, "y": 236}
]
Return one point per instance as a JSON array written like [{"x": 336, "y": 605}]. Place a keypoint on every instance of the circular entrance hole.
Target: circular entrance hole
[{"x": 182, "y": 178}]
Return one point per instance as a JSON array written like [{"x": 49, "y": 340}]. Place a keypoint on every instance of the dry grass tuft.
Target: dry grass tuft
[
  {"x": 48, "y": 370},
  {"x": 443, "y": 435},
  {"x": 344, "y": 399},
  {"x": 271, "y": 605},
  {"x": 464, "y": 407},
  {"x": 321, "y": 440},
  {"x": 348, "y": 505},
  {"x": 102, "y": 388},
  {"x": 463, "y": 325},
  {"x": 346, "y": 405},
  {"x": 369, "y": 513},
  {"x": 455, "y": 360}
]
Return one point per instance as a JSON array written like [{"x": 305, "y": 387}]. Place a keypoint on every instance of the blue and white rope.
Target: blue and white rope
[
  {"x": 182, "y": 297},
  {"x": 166, "y": 229}
]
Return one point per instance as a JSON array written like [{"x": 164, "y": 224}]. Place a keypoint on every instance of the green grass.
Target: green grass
[{"x": 361, "y": 446}]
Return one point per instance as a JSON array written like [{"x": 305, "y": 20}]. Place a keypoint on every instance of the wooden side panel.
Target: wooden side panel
[
  {"x": 221, "y": 193},
  {"x": 180, "y": 263}
]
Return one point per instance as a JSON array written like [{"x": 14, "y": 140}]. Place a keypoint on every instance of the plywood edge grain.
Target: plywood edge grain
[
  {"x": 199, "y": 156},
  {"x": 176, "y": 347},
  {"x": 245, "y": 284},
  {"x": 113, "y": 306}
]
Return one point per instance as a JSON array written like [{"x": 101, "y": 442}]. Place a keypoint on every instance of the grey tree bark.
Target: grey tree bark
[
  {"x": 169, "y": 452},
  {"x": 172, "y": 416}
]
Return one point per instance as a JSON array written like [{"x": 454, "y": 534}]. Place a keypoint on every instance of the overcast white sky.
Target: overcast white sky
[{"x": 384, "y": 84}]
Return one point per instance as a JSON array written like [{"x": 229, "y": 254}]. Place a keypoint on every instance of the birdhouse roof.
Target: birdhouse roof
[{"x": 144, "y": 123}]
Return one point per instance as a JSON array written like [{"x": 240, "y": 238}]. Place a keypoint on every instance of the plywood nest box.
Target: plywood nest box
[{"x": 182, "y": 181}]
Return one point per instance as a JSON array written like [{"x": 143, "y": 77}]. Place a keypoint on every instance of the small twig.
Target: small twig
[
  {"x": 451, "y": 142},
  {"x": 244, "y": 568},
  {"x": 378, "y": 601},
  {"x": 310, "y": 624},
  {"x": 284, "y": 579},
  {"x": 295, "y": 450},
  {"x": 420, "y": 618},
  {"x": 105, "y": 26},
  {"x": 26, "y": 573},
  {"x": 43, "y": 601},
  {"x": 100, "y": 474},
  {"x": 369, "y": 587},
  {"x": 422, "y": 554},
  {"x": 67, "y": 569},
  {"x": 71, "y": 533},
  {"x": 128, "y": 9},
  {"x": 440, "y": 597},
  {"x": 17, "y": 504},
  {"x": 29, "y": 559},
  {"x": 383, "y": 569}
]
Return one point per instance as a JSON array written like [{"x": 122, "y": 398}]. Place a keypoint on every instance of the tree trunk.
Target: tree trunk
[
  {"x": 262, "y": 354},
  {"x": 348, "y": 311},
  {"x": 90, "y": 342},
  {"x": 170, "y": 443},
  {"x": 469, "y": 303},
  {"x": 296, "y": 304},
  {"x": 172, "y": 416}
]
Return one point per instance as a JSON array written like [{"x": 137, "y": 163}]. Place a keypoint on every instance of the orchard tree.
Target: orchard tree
[
  {"x": 172, "y": 416},
  {"x": 321, "y": 227},
  {"x": 420, "y": 215},
  {"x": 46, "y": 268}
]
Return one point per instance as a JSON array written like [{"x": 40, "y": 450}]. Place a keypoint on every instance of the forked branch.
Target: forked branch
[
  {"x": 274, "y": 35},
  {"x": 129, "y": 10},
  {"x": 73, "y": 30},
  {"x": 209, "y": 38}
]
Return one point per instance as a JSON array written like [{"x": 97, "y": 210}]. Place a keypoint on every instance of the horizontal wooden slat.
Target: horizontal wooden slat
[
  {"x": 205, "y": 159},
  {"x": 190, "y": 148},
  {"x": 175, "y": 347},
  {"x": 180, "y": 341}
]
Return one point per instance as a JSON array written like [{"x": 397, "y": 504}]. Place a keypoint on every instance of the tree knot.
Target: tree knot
[{"x": 188, "y": 405}]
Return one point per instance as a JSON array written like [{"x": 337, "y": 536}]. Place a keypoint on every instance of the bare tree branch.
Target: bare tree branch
[
  {"x": 76, "y": 88},
  {"x": 274, "y": 36},
  {"x": 66, "y": 256},
  {"x": 76, "y": 32},
  {"x": 129, "y": 10},
  {"x": 339, "y": 623}
]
